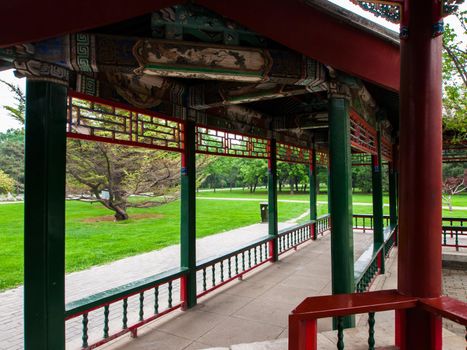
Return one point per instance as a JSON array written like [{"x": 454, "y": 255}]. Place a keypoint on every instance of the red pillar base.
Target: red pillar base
[{"x": 416, "y": 322}]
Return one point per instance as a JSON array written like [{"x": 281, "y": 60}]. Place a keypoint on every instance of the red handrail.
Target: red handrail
[{"x": 303, "y": 319}]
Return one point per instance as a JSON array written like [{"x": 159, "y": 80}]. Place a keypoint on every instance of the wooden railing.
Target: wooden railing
[
  {"x": 122, "y": 310},
  {"x": 368, "y": 265},
  {"x": 303, "y": 319},
  {"x": 454, "y": 236},
  {"x": 126, "y": 308},
  {"x": 364, "y": 222}
]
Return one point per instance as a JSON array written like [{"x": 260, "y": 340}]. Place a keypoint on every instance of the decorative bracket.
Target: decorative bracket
[{"x": 393, "y": 11}]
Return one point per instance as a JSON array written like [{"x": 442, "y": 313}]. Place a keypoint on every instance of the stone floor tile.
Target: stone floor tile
[
  {"x": 237, "y": 331},
  {"x": 192, "y": 324},
  {"x": 223, "y": 304},
  {"x": 276, "y": 314}
]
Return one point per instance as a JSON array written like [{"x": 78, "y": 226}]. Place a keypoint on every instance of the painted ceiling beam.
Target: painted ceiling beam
[
  {"x": 217, "y": 94},
  {"x": 317, "y": 35},
  {"x": 24, "y": 21}
]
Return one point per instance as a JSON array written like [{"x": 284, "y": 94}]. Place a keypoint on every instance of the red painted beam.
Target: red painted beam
[
  {"x": 33, "y": 20},
  {"x": 351, "y": 304},
  {"x": 292, "y": 23},
  {"x": 446, "y": 307},
  {"x": 317, "y": 35}
]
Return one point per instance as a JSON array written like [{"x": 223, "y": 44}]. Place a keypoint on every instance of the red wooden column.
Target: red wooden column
[{"x": 420, "y": 174}]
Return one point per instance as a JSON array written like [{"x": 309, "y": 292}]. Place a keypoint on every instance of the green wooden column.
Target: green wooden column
[
  {"x": 377, "y": 187},
  {"x": 188, "y": 215},
  {"x": 313, "y": 185},
  {"x": 44, "y": 216},
  {"x": 272, "y": 200},
  {"x": 342, "y": 256}
]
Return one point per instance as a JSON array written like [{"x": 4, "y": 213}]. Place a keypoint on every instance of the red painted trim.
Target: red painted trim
[
  {"x": 351, "y": 304},
  {"x": 128, "y": 107},
  {"x": 53, "y": 18},
  {"x": 399, "y": 334},
  {"x": 85, "y": 137},
  {"x": 329, "y": 40},
  {"x": 229, "y": 155},
  {"x": 232, "y": 132}
]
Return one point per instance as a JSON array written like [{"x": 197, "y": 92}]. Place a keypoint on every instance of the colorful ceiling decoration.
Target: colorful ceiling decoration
[
  {"x": 392, "y": 10},
  {"x": 388, "y": 10}
]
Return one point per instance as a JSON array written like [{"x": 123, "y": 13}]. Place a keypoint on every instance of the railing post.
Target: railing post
[
  {"x": 272, "y": 200},
  {"x": 342, "y": 255},
  {"x": 303, "y": 335},
  {"x": 377, "y": 184},
  {"x": 313, "y": 185},
  {"x": 44, "y": 216},
  {"x": 188, "y": 216},
  {"x": 420, "y": 159}
]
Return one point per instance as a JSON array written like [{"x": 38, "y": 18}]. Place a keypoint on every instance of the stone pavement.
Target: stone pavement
[
  {"x": 254, "y": 309},
  {"x": 251, "y": 310},
  {"x": 252, "y": 314},
  {"x": 99, "y": 278}
]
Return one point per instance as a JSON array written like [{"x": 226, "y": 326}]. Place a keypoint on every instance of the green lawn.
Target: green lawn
[{"x": 93, "y": 238}]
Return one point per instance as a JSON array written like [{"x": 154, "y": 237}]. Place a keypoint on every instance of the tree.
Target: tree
[
  {"x": 253, "y": 173},
  {"x": 113, "y": 174},
  {"x": 362, "y": 179},
  {"x": 17, "y": 112},
  {"x": 454, "y": 181},
  {"x": 7, "y": 184},
  {"x": 455, "y": 81},
  {"x": 12, "y": 156},
  {"x": 453, "y": 186}
]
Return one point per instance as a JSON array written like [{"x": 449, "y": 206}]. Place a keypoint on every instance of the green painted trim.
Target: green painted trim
[
  {"x": 272, "y": 199},
  {"x": 225, "y": 71},
  {"x": 340, "y": 194},
  {"x": 188, "y": 213},
  {"x": 117, "y": 293},
  {"x": 44, "y": 216}
]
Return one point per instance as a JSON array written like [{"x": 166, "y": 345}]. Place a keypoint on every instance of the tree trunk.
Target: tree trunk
[
  {"x": 121, "y": 216},
  {"x": 120, "y": 212}
]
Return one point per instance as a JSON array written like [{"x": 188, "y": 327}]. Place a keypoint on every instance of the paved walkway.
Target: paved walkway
[
  {"x": 100, "y": 278},
  {"x": 251, "y": 310},
  {"x": 254, "y": 312},
  {"x": 254, "y": 309},
  {"x": 365, "y": 204}
]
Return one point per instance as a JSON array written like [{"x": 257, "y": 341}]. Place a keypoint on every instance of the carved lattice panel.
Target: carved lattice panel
[
  {"x": 97, "y": 120},
  {"x": 219, "y": 142},
  {"x": 362, "y": 134},
  {"x": 361, "y": 159},
  {"x": 322, "y": 158},
  {"x": 292, "y": 154}
]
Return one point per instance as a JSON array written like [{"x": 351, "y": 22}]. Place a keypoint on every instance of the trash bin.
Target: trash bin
[{"x": 263, "y": 208}]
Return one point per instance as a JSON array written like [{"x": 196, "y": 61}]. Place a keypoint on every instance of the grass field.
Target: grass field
[{"x": 92, "y": 237}]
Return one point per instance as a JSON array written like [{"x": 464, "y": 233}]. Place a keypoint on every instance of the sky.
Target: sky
[{"x": 6, "y": 98}]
